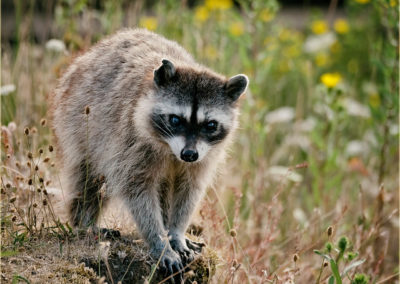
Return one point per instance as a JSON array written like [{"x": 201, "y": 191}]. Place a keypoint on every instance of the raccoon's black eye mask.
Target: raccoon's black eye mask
[{"x": 176, "y": 122}]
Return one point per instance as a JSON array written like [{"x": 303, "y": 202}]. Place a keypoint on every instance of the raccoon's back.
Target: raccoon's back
[
  {"x": 120, "y": 66},
  {"x": 109, "y": 78}
]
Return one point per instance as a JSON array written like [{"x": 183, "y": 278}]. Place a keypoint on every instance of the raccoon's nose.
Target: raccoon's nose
[{"x": 189, "y": 155}]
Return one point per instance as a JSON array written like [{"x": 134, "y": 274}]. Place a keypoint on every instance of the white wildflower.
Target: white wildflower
[
  {"x": 7, "y": 89},
  {"x": 12, "y": 126},
  {"x": 354, "y": 108},
  {"x": 299, "y": 140},
  {"x": 394, "y": 129},
  {"x": 306, "y": 125},
  {"x": 369, "y": 88},
  {"x": 55, "y": 45},
  {"x": 324, "y": 110},
  {"x": 280, "y": 115},
  {"x": 300, "y": 216},
  {"x": 317, "y": 43},
  {"x": 356, "y": 148},
  {"x": 278, "y": 172}
]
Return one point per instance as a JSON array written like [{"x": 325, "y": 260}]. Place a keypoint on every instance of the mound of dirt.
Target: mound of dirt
[{"x": 90, "y": 260}]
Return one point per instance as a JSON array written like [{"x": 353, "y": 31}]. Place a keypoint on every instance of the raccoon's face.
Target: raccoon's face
[{"x": 194, "y": 111}]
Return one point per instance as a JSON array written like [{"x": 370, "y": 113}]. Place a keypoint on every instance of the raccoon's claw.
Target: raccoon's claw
[
  {"x": 172, "y": 265},
  {"x": 186, "y": 254},
  {"x": 195, "y": 246}
]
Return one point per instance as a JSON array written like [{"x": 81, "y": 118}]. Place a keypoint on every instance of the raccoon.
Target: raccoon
[{"x": 155, "y": 128}]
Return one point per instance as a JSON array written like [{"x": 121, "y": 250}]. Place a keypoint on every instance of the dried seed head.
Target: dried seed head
[
  {"x": 26, "y": 131},
  {"x": 40, "y": 151},
  {"x": 7, "y": 146},
  {"x": 51, "y": 148},
  {"x": 234, "y": 263},
  {"x": 43, "y": 122},
  {"x": 34, "y": 130},
  {"x": 87, "y": 110},
  {"x": 329, "y": 231},
  {"x": 52, "y": 165},
  {"x": 36, "y": 168},
  {"x": 30, "y": 156},
  {"x": 233, "y": 233},
  {"x": 46, "y": 160},
  {"x": 12, "y": 199},
  {"x": 296, "y": 257},
  {"x": 34, "y": 205},
  {"x": 8, "y": 156},
  {"x": 8, "y": 185},
  {"x": 14, "y": 218},
  {"x": 38, "y": 190},
  {"x": 41, "y": 180},
  {"x": 28, "y": 164},
  {"x": 44, "y": 202},
  {"x": 48, "y": 182},
  {"x": 17, "y": 164},
  {"x": 3, "y": 191},
  {"x": 325, "y": 264},
  {"x": 45, "y": 192},
  {"x": 30, "y": 181}
]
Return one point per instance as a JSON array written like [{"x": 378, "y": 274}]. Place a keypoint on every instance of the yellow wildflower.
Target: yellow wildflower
[
  {"x": 374, "y": 100},
  {"x": 393, "y": 3},
  {"x": 284, "y": 34},
  {"x": 291, "y": 51},
  {"x": 149, "y": 23},
  {"x": 362, "y": 1},
  {"x": 330, "y": 79},
  {"x": 266, "y": 15},
  {"x": 321, "y": 59},
  {"x": 218, "y": 4},
  {"x": 236, "y": 29},
  {"x": 201, "y": 13},
  {"x": 341, "y": 26},
  {"x": 283, "y": 66},
  {"x": 268, "y": 40},
  {"x": 319, "y": 27}
]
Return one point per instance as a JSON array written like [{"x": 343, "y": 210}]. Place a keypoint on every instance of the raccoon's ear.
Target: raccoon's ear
[
  {"x": 236, "y": 86},
  {"x": 164, "y": 73}
]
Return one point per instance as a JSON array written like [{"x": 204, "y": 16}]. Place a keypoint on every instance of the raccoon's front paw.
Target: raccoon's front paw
[
  {"x": 187, "y": 254},
  {"x": 195, "y": 246},
  {"x": 171, "y": 264}
]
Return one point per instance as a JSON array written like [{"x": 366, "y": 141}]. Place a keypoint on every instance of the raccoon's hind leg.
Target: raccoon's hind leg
[{"x": 85, "y": 207}]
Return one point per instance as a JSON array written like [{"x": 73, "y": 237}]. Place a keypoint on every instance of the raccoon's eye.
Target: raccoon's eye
[
  {"x": 174, "y": 120},
  {"x": 211, "y": 126}
]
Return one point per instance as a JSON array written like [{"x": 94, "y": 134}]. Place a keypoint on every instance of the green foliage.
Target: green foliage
[
  {"x": 360, "y": 279},
  {"x": 334, "y": 262}
]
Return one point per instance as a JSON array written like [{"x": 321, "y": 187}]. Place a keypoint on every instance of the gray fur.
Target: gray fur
[{"x": 117, "y": 140}]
